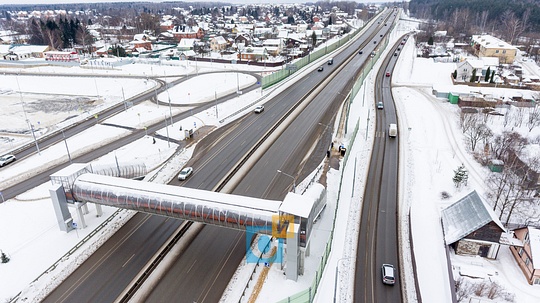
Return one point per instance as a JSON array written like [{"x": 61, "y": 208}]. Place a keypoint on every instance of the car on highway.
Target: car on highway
[
  {"x": 388, "y": 274},
  {"x": 6, "y": 159},
  {"x": 360, "y": 52},
  {"x": 320, "y": 69},
  {"x": 185, "y": 173},
  {"x": 380, "y": 105},
  {"x": 259, "y": 109},
  {"x": 388, "y": 74},
  {"x": 374, "y": 42}
]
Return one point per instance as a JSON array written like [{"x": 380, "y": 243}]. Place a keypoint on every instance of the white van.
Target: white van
[{"x": 392, "y": 130}]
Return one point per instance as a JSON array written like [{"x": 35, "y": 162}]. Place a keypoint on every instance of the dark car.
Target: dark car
[
  {"x": 6, "y": 159},
  {"x": 374, "y": 42},
  {"x": 320, "y": 69},
  {"x": 360, "y": 52},
  {"x": 388, "y": 74}
]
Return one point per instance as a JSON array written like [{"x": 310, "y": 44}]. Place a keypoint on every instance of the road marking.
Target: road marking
[{"x": 128, "y": 260}]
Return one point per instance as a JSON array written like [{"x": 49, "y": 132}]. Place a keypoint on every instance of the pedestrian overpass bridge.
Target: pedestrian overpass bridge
[{"x": 285, "y": 220}]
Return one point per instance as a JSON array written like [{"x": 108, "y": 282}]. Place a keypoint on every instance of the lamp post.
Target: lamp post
[
  {"x": 65, "y": 142},
  {"x": 294, "y": 179},
  {"x": 337, "y": 274},
  {"x": 30, "y": 126}
]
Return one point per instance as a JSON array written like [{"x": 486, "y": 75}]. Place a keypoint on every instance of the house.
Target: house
[
  {"x": 218, "y": 43},
  {"x": 141, "y": 41},
  {"x": 253, "y": 54},
  {"x": 20, "y": 52},
  {"x": 527, "y": 254},
  {"x": 465, "y": 70},
  {"x": 186, "y": 44},
  {"x": 183, "y": 31},
  {"x": 242, "y": 38},
  {"x": 489, "y": 46},
  {"x": 471, "y": 228},
  {"x": 273, "y": 46}
]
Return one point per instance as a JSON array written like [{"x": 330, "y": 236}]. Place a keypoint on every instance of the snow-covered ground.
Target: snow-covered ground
[{"x": 432, "y": 148}]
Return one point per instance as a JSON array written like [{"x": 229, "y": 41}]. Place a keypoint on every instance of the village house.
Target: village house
[
  {"x": 466, "y": 69},
  {"x": 183, "y": 31},
  {"x": 471, "y": 228},
  {"x": 253, "y": 54},
  {"x": 527, "y": 254},
  {"x": 273, "y": 46},
  {"x": 489, "y": 46},
  {"x": 218, "y": 43}
]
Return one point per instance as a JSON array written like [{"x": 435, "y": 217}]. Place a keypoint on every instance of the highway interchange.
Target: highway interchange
[{"x": 203, "y": 270}]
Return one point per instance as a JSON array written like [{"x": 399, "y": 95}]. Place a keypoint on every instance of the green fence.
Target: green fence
[{"x": 295, "y": 66}]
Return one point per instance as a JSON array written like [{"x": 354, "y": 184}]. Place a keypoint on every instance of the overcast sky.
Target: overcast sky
[{"x": 96, "y": 1}]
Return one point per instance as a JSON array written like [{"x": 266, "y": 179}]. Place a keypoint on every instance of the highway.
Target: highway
[
  {"x": 378, "y": 242},
  {"x": 204, "y": 269},
  {"x": 287, "y": 153}
]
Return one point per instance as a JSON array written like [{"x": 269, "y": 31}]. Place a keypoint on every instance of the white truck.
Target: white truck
[{"x": 392, "y": 130}]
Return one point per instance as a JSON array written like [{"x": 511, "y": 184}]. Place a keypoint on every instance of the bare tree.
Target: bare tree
[
  {"x": 534, "y": 118},
  {"x": 507, "y": 141},
  {"x": 518, "y": 114},
  {"x": 474, "y": 129},
  {"x": 512, "y": 26},
  {"x": 483, "y": 20}
]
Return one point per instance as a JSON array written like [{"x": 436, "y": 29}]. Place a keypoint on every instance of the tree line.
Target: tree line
[{"x": 507, "y": 19}]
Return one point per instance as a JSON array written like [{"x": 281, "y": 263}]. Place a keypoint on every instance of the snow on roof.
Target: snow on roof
[
  {"x": 475, "y": 63},
  {"x": 465, "y": 216},
  {"x": 490, "y": 61},
  {"x": 296, "y": 204},
  {"x": 29, "y": 48},
  {"x": 220, "y": 40},
  {"x": 488, "y": 41},
  {"x": 534, "y": 237}
]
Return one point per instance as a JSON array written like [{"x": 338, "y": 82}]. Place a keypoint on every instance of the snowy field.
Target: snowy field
[{"x": 432, "y": 148}]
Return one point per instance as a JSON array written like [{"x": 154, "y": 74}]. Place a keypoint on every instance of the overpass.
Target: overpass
[{"x": 287, "y": 221}]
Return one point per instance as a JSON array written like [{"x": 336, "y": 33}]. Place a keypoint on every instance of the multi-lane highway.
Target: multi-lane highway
[{"x": 202, "y": 272}]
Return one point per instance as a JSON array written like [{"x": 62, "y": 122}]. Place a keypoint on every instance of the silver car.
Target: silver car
[
  {"x": 185, "y": 173},
  {"x": 6, "y": 159}
]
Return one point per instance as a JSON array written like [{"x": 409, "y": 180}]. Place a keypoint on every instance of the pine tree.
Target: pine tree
[
  {"x": 492, "y": 78},
  {"x": 488, "y": 74},
  {"x": 454, "y": 74},
  {"x": 430, "y": 41},
  {"x": 473, "y": 77},
  {"x": 4, "y": 258},
  {"x": 461, "y": 176}
]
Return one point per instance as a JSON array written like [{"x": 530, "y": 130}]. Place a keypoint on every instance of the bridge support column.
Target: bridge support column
[
  {"x": 293, "y": 256},
  {"x": 99, "y": 211},
  {"x": 80, "y": 208},
  {"x": 63, "y": 216}
]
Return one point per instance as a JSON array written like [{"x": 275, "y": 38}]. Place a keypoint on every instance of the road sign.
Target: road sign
[
  {"x": 291, "y": 67},
  {"x": 73, "y": 224}
]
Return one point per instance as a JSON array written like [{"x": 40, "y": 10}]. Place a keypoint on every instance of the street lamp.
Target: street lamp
[
  {"x": 337, "y": 273},
  {"x": 294, "y": 179}
]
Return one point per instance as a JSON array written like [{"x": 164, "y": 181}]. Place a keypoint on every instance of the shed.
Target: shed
[
  {"x": 496, "y": 165},
  {"x": 453, "y": 98},
  {"x": 472, "y": 228}
]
